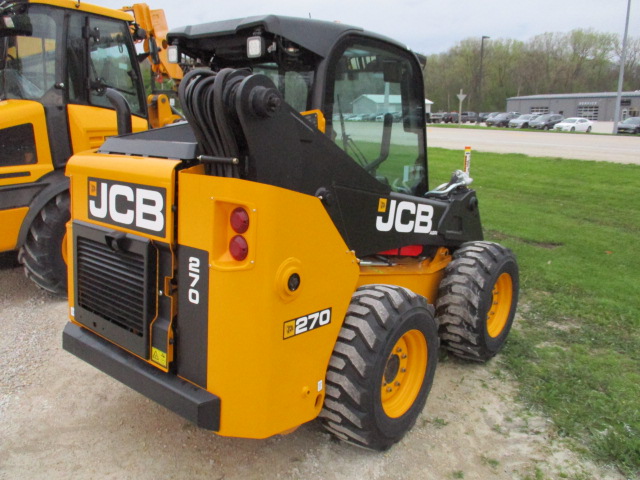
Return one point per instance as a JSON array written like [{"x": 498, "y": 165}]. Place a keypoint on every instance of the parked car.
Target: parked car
[
  {"x": 501, "y": 120},
  {"x": 522, "y": 121},
  {"x": 546, "y": 121},
  {"x": 380, "y": 117},
  {"x": 436, "y": 117},
  {"x": 574, "y": 124},
  {"x": 484, "y": 116},
  {"x": 468, "y": 117},
  {"x": 630, "y": 125},
  {"x": 451, "y": 117}
]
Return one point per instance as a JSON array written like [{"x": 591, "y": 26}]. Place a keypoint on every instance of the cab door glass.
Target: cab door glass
[
  {"x": 111, "y": 64},
  {"x": 377, "y": 117},
  {"x": 29, "y": 62}
]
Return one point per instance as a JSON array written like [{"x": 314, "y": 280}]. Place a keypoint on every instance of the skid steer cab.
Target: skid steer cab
[{"x": 281, "y": 256}]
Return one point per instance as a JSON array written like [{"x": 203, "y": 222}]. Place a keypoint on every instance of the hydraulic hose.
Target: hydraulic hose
[{"x": 208, "y": 101}]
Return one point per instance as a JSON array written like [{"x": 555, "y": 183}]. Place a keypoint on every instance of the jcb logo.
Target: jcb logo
[
  {"x": 404, "y": 217},
  {"x": 138, "y": 207}
]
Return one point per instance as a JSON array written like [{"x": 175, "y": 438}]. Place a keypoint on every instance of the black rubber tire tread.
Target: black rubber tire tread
[
  {"x": 465, "y": 295},
  {"x": 377, "y": 317},
  {"x": 41, "y": 254}
]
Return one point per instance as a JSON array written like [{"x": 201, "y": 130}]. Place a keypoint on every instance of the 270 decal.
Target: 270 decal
[{"x": 307, "y": 323}]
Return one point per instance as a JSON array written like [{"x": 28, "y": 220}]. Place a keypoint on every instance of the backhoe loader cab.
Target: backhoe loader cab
[
  {"x": 58, "y": 58},
  {"x": 273, "y": 261}
]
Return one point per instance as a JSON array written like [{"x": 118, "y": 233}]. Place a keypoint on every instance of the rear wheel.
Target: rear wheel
[
  {"x": 382, "y": 367},
  {"x": 44, "y": 254},
  {"x": 477, "y": 300}
]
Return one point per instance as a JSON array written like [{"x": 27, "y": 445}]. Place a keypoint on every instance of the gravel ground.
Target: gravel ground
[{"x": 64, "y": 420}]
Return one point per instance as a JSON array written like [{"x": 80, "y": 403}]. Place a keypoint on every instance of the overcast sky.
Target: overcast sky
[{"x": 426, "y": 26}]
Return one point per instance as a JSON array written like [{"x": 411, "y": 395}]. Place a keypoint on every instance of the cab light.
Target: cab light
[
  {"x": 173, "y": 55},
  {"x": 255, "y": 47},
  {"x": 240, "y": 220},
  {"x": 238, "y": 248}
]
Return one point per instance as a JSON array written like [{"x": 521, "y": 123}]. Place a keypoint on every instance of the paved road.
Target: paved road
[{"x": 618, "y": 149}]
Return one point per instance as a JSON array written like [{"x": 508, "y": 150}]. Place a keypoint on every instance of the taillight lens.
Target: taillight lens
[
  {"x": 239, "y": 248},
  {"x": 240, "y": 220}
]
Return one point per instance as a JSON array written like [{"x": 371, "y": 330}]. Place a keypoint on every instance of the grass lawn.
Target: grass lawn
[{"x": 574, "y": 226}]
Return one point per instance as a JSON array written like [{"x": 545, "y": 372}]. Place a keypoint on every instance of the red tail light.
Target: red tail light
[
  {"x": 240, "y": 220},
  {"x": 238, "y": 248}
]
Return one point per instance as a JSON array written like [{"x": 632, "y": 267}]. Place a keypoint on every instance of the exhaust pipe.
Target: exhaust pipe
[{"x": 123, "y": 111}]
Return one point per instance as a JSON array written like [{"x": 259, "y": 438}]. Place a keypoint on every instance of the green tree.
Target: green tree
[{"x": 573, "y": 62}]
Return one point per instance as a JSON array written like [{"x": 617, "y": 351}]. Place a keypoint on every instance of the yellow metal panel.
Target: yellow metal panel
[
  {"x": 152, "y": 172},
  {"x": 19, "y": 112},
  {"x": 86, "y": 7},
  {"x": 269, "y": 378},
  {"x": 421, "y": 277},
  {"x": 10, "y": 222},
  {"x": 90, "y": 126}
]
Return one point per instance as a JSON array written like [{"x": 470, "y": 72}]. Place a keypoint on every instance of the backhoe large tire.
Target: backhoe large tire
[
  {"x": 43, "y": 254},
  {"x": 382, "y": 367},
  {"x": 477, "y": 300}
]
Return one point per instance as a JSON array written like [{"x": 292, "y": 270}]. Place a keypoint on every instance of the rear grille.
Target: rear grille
[
  {"x": 112, "y": 284},
  {"x": 115, "y": 290}
]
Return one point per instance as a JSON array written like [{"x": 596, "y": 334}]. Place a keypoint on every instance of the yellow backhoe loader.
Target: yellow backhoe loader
[{"x": 62, "y": 64}]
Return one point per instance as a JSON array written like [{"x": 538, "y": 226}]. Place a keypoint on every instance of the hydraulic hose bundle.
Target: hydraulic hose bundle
[{"x": 208, "y": 100}]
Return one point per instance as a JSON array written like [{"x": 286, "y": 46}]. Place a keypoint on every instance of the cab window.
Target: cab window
[
  {"x": 294, "y": 85},
  {"x": 111, "y": 64},
  {"x": 30, "y": 61},
  {"x": 377, "y": 118}
]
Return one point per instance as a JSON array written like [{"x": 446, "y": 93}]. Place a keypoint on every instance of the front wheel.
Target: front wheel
[
  {"x": 588, "y": 129},
  {"x": 382, "y": 367},
  {"x": 44, "y": 253},
  {"x": 477, "y": 300}
]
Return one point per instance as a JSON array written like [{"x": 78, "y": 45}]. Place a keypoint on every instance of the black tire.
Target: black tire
[
  {"x": 573, "y": 129},
  {"x": 546, "y": 127},
  {"x": 377, "y": 385},
  {"x": 477, "y": 300},
  {"x": 588, "y": 129},
  {"x": 41, "y": 255}
]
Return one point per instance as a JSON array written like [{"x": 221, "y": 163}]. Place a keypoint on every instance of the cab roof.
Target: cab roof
[
  {"x": 316, "y": 36},
  {"x": 81, "y": 6}
]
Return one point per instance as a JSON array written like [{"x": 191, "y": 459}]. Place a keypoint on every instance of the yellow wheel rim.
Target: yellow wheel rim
[
  {"x": 404, "y": 373},
  {"x": 500, "y": 305},
  {"x": 63, "y": 247}
]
